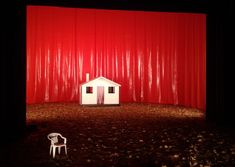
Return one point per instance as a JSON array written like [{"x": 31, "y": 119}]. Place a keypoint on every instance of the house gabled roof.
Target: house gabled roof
[{"x": 100, "y": 78}]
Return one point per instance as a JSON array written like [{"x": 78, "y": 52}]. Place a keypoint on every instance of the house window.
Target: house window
[
  {"x": 111, "y": 89},
  {"x": 89, "y": 89}
]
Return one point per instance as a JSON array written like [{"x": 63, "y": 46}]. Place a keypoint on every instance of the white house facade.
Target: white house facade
[{"x": 99, "y": 91}]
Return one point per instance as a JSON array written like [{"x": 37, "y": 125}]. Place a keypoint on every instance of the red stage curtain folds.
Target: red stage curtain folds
[{"x": 157, "y": 57}]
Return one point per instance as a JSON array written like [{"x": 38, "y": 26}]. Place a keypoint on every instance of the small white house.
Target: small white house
[{"x": 99, "y": 91}]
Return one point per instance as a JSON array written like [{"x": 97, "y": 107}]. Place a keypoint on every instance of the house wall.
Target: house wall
[
  {"x": 92, "y": 98},
  {"x": 112, "y": 98}
]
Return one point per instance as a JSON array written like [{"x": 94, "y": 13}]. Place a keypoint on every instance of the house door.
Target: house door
[{"x": 100, "y": 95}]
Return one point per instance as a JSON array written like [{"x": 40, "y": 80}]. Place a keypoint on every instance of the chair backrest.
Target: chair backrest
[{"x": 53, "y": 137}]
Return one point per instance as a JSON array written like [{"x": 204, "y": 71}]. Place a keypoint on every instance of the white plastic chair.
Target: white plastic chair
[{"x": 57, "y": 141}]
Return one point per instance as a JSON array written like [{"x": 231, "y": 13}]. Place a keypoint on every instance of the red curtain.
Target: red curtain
[{"x": 157, "y": 57}]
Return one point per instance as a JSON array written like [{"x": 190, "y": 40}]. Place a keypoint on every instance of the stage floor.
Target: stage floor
[{"x": 131, "y": 134}]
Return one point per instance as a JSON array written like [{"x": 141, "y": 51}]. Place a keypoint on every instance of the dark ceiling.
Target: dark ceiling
[{"x": 197, "y": 6}]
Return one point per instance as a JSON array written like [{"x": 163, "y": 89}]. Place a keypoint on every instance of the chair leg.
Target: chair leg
[
  {"x": 50, "y": 150},
  {"x": 54, "y": 150},
  {"x": 59, "y": 150},
  {"x": 65, "y": 148}
]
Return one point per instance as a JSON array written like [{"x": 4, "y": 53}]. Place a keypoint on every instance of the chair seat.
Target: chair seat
[{"x": 59, "y": 144}]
